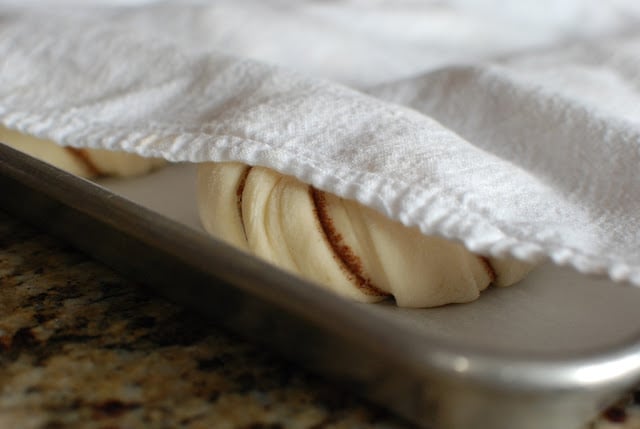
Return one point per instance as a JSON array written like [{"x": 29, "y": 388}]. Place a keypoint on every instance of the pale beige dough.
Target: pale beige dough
[
  {"x": 341, "y": 244},
  {"x": 81, "y": 162}
]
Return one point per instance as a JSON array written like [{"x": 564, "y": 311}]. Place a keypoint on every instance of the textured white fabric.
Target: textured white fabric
[{"x": 515, "y": 130}]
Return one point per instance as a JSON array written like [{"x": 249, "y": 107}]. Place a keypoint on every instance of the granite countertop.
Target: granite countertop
[{"x": 82, "y": 347}]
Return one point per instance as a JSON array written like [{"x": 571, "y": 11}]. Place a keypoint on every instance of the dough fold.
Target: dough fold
[
  {"x": 81, "y": 162},
  {"x": 341, "y": 244}
]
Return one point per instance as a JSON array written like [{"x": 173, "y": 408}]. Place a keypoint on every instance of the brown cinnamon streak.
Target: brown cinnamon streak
[
  {"x": 83, "y": 156},
  {"x": 239, "y": 191},
  {"x": 489, "y": 268},
  {"x": 349, "y": 261}
]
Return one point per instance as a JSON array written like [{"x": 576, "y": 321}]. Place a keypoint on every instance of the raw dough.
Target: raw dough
[
  {"x": 81, "y": 162},
  {"x": 341, "y": 244}
]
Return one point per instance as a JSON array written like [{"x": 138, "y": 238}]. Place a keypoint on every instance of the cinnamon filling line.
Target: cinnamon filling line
[
  {"x": 349, "y": 261},
  {"x": 489, "y": 268},
  {"x": 83, "y": 156},
  {"x": 239, "y": 192}
]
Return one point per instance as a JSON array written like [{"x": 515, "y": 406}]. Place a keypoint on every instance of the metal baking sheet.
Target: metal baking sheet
[{"x": 550, "y": 352}]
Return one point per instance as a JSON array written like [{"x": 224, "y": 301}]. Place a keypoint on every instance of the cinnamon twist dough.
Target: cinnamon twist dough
[
  {"x": 81, "y": 162},
  {"x": 341, "y": 244}
]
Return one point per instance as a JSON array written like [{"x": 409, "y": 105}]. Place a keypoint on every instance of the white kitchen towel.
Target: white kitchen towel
[{"x": 515, "y": 131}]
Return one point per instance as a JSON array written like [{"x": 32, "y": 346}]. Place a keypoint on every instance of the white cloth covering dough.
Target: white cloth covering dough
[
  {"x": 81, "y": 162},
  {"x": 514, "y": 131},
  {"x": 341, "y": 244}
]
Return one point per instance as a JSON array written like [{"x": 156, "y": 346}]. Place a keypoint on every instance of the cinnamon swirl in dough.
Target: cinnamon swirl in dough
[
  {"x": 81, "y": 162},
  {"x": 341, "y": 244}
]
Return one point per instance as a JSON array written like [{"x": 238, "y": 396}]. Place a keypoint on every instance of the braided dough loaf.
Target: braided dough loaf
[
  {"x": 81, "y": 162},
  {"x": 341, "y": 244}
]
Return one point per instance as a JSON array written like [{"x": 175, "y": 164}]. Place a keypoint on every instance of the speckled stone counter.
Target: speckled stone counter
[{"x": 82, "y": 347}]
